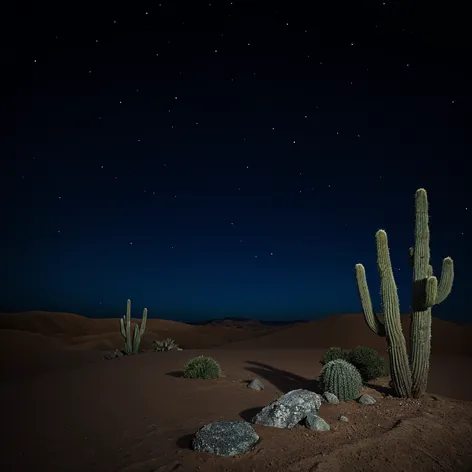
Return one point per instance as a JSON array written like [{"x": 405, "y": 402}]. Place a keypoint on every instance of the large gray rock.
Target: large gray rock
[
  {"x": 289, "y": 409},
  {"x": 225, "y": 438}
]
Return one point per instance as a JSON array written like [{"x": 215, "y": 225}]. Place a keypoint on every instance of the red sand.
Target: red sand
[{"x": 66, "y": 409}]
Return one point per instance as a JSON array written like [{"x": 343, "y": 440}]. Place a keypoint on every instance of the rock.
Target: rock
[
  {"x": 289, "y": 409},
  {"x": 366, "y": 399},
  {"x": 331, "y": 398},
  {"x": 316, "y": 423},
  {"x": 113, "y": 355},
  {"x": 255, "y": 384},
  {"x": 225, "y": 438},
  {"x": 343, "y": 419}
]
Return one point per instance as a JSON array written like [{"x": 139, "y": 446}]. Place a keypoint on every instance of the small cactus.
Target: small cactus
[
  {"x": 132, "y": 343},
  {"x": 342, "y": 379},
  {"x": 165, "y": 345},
  {"x": 202, "y": 367}
]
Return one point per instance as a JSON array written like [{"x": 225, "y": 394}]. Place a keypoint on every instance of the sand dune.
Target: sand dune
[
  {"x": 78, "y": 332},
  {"x": 350, "y": 330},
  {"x": 346, "y": 331}
]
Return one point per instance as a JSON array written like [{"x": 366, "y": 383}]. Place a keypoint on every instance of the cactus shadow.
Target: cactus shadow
[
  {"x": 281, "y": 379},
  {"x": 176, "y": 373},
  {"x": 379, "y": 387}
]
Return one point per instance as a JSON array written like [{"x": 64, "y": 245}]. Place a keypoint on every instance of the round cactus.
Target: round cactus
[
  {"x": 202, "y": 367},
  {"x": 342, "y": 379}
]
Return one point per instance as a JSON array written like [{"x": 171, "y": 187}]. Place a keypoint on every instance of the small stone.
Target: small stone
[
  {"x": 344, "y": 419},
  {"x": 331, "y": 398},
  {"x": 316, "y": 423},
  {"x": 366, "y": 399},
  {"x": 255, "y": 384}
]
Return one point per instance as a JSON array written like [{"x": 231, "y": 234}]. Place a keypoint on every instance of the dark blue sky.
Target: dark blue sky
[{"x": 231, "y": 159}]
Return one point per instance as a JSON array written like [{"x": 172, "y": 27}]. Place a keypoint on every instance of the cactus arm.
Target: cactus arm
[
  {"x": 445, "y": 283},
  {"x": 122, "y": 327},
  {"x": 371, "y": 318},
  {"x": 125, "y": 328},
  {"x": 136, "y": 339},
  {"x": 431, "y": 291},
  {"x": 143, "y": 323},
  {"x": 398, "y": 354},
  {"x": 138, "y": 333}
]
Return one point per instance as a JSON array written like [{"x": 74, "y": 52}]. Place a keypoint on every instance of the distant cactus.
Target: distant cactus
[
  {"x": 341, "y": 378},
  {"x": 409, "y": 377},
  {"x": 132, "y": 343},
  {"x": 165, "y": 345}
]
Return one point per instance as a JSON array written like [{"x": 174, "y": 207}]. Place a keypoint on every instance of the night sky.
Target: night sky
[{"x": 231, "y": 158}]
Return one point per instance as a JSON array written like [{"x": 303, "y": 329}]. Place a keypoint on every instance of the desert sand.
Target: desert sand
[{"x": 67, "y": 409}]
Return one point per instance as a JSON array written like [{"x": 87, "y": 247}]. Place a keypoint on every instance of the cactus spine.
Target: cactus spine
[
  {"x": 132, "y": 343},
  {"x": 409, "y": 376}
]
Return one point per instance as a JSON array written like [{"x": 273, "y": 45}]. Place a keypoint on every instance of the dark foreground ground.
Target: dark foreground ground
[{"x": 71, "y": 411}]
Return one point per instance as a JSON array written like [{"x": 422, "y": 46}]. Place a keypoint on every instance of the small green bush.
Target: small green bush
[
  {"x": 342, "y": 379},
  {"x": 368, "y": 362},
  {"x": 202, "y": 367},
  {"x": 334, "y": 353}
]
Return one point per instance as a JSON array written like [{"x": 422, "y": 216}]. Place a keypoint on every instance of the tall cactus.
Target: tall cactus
[
  {"x": 409, "y": 376},
  {"x": 132, "y": 343},
  {"x": 426, "y": 293}
]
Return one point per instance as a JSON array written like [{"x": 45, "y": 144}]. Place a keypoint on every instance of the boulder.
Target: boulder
[
  {"x": 289, "y": 409},
  {"x": 225, "y": 438}
]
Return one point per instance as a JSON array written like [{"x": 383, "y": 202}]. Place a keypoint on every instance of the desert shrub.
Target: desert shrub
[
  {"x": 335, "y": 353},
  {"x": 368, "y": 362},
  {"x": 165, "y": 345},
  {"x": 341, "y": 378},
  {"x": 202, "y": 367}
]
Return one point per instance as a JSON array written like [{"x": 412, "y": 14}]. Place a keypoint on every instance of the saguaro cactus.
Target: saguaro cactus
[
  {"x": 132, "y": 343},
  {"x": 409, "y": 376}
]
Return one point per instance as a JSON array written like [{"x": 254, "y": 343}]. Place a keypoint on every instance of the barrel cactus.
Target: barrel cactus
[
  {"x": 202, "y": 367},
  {"x": 409, "y": 374},
  {"x": 342, "y": 379}
]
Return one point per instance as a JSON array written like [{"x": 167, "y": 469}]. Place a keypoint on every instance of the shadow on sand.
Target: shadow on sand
[
  {"x": 176, "y": 373},
  {"x": 384, "y": 390},
  {"x": 281, "y": 379},
  {"x": 248, "y": 415},
  {"x": 185, "y": 442}
]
